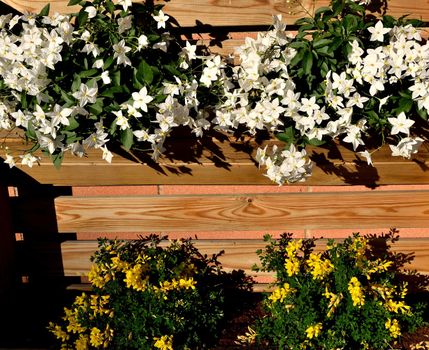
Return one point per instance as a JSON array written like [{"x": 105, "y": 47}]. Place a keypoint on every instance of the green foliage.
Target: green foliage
[
  {"x": 149, "y": 294},
  {"x": 350, "y": 296}
]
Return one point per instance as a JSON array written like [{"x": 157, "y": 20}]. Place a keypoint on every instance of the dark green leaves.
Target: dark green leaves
[
  {"x": 144, "y": 73},
  {"x": 73, "y": 2},
  {"x": 127, "y": 138},
  {"x": 45, "y": 10}
]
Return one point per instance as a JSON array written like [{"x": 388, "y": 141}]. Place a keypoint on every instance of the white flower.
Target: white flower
[
  {"x": 378, "y": 31},
  {"x": 107, "y": 155},
  {"x": 142, "y": 42},
  {"x": 367, "y": 156},
  {"x": 121, "y": 120},
  {"x": 141, "y": 99},
  {"x": 125, "y": 4},
  {"x": 10, "y": 161},
  {"x": 86, "y": 94},
  {"x": 161, "y": 19},
  {"x": 124, "y": 24},
  {"x": 120, "y": 50},
  {"x": 400, "y": 124},
  {"x": 406, "y": 147},
  {"x": 105, "y": 77},
  {"x": 92, "y": 11},
  {"x": 98, "y": 64},
  {"x": 28, "y": 159}
]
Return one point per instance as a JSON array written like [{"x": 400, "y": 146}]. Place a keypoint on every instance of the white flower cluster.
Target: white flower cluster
[{"x": 28, "y": 57}]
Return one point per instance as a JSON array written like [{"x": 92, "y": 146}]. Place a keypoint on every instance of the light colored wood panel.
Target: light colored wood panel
[
  {"x": 239, "y": 254},
  {"x": 227, "y": 162},
  {"x": 236, "y": 12},
  {"x": 288, "y": 211}
]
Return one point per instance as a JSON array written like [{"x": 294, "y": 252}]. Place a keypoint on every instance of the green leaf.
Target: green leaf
[
  {"x": 31, "y": 131},
  {"x": 298, "y": 44},
  {"x": 315, "y": 142},
  {"x": 24, "y": 102},
  {"x": 45, "y": 10},
  {"x": 66, "y": 97},
  {"x": 116, "y": 78},
  {"x": 73, "y": 124},
  {"x": 422, "y": 113},
  {"x": 57, "y": 159},
  {"x": 108, "y": 62},
  {"x": 82, "y": 17},
  {"x": 127, "y": 138},
  {"x": 297, "y": 59},
  {"x": 112, "y": 91},
  {"x": 288, "y": 136},
  {"x": 318, "y": 43},
  {"x": 73, "y": 2},
  {"x": 322, "y": 9},
  {"x": 307, "y": 62},
  {"x": 144, "y": 73},
  {"x": 76, "y": 83},
  {"x": 88, "y": 73},
  {"x": 97, "y": 107}
]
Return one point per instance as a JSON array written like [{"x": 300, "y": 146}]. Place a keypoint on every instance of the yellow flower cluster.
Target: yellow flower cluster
[
  {"x": 334, "y": 301},
  {"x": 164, "y": 343},
  {"x": 356, "y": 292},
  {"x": 134, "y": 277},
  {"x": 174, "y": 284},
  {"x": 280, "y": 293},
  {"x": 92, "y": 306},
  {"x": 292, "y": 262},
  {"x": 314, "y": 331},
  {"x": 319, "y": 268},
  {"x": 378, "y": 266},
  {"x": 393, "y": 327},
  {"x": 358, "y": 248},
  {"x": 388, "y": 294}
]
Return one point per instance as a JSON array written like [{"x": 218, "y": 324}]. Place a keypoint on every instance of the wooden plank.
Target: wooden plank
[
  {"x": 7, "y": 246},
  {"x": 222, "y": 162},
  {"x": 239, "y": 254},
  {"x": 286, "y": 211},
  {"x": 236, "y": 12}
]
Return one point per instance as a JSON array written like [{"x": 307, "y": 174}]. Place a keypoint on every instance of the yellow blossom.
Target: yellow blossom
[
  {"x": 72, "y": 318},
  {"x": 356, "y": 292},
  {"x": 82, "y": 343},
  {"x": 378, "y": 266},
  {"x": 334, "y": 300},
  {"x": 96, "y": 337},
  {"x": 187, "y": 283},
  {"x": 292, "y": 266},
  {"x": 118, "y": 265},
  {"x": 292, "y": 247},
  {"x": 319, "y": 267},
  {"x": 133, "y": 277},
  {"x": 164, "y": 343},
  {"x": 280, "y": 293},
  {"x": 58, "y": 332},
  {"x": 99, "y": 276},
  {"x": 314, "y": 330},
  {"x": 358, "y": 247},
  {"x": 393, "y": 327},
  {"x": 396, "y": 306}
]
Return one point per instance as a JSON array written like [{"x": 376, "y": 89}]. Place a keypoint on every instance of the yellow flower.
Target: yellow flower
[
  {"x": 319, "y": 267},
  {"x": 133, "y": 277},
  {"x": 164, "y": 343},
  {"x": 96, "y": 337},
  {"x": 396, "y": 306},
  {"x": 58, "y": 332},
  {"x": 356, "y": 292},
  {"x": 99, "y": 276},
  {"x": 71, "y": 317},
  {"x": 334, "y": 300},
  {"x": 378, "y": 266},
  {"x": 82, "y": 343},
  {"x": 314, "y": 331},
  {"x": 187, "y": 283},
  {"x": 292, "y": 266},
  {"x": 293, "y": 247},
  {"x": 393, "y": 327},
  {"x": 280, "y": 293}
]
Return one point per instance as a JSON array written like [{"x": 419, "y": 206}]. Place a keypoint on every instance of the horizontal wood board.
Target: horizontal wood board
[
  {"x": 222, "y": 162},
  {"x": 237, "y": 12},
  {"x": 239, "y": 254},
  {"x": 287, "y": 211}
]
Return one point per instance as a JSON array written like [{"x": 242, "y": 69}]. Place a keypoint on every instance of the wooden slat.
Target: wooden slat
[
  {"x": 288, "y": 211},
  {"x": 239, "y": 254},
  {"x": 236, "y": 12},
  {"x": 227, "y": 162}
]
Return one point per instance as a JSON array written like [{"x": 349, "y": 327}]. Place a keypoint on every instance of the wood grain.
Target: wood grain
[
  {"x": 287, "y": 211},
  {"x": 239, "y": 254},
  {"x": 236, "y": 12},
  {"x": 221, "y": 162}
]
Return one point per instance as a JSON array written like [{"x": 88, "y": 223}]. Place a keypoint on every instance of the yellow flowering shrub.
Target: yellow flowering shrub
[
  {"x": 348, "y": 296},
  {"x": 149, "y": 294}
]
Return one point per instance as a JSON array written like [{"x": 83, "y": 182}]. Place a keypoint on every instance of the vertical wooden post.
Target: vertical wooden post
[{"x": 7, "y": 246}]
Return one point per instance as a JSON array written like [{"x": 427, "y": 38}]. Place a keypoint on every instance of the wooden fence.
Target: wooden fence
[{"x": 41, "y": 221}]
